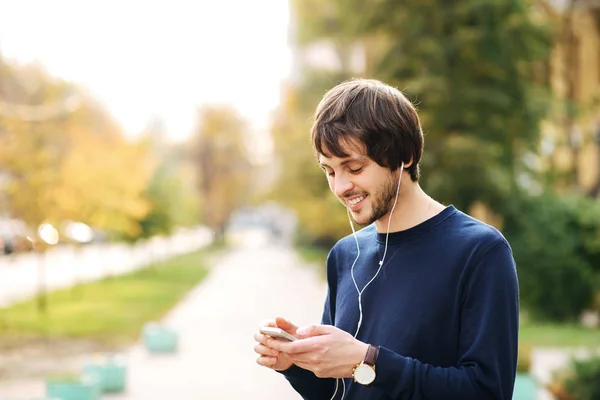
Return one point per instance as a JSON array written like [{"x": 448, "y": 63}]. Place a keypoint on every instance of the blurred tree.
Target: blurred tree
[
  {"x": 32, "y": 141},
  {"x": 62, "y": 156},
  {"x": 173, "y": 199},
  {"x": 94, "y": 188},
  {"x": 172, "y": 202},
  {"x": 329, "y": 25},
  {"x": 556, "y": 242},
  {"x": 223, "y": 169},
  {"x": 474, "y": 69},
  {"x": 301, "y": 184}
]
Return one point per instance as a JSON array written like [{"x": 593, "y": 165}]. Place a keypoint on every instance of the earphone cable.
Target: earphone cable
[{"x": 360, "y": 292}]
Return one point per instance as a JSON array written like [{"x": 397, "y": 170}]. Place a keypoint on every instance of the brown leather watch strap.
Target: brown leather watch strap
[{"x": 371, "y": 356}]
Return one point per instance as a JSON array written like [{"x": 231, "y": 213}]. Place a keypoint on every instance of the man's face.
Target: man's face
[{"x": 367, "y": 189}]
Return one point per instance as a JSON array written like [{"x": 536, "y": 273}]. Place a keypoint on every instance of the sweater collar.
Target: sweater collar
[{"x": 407, "y": 234}]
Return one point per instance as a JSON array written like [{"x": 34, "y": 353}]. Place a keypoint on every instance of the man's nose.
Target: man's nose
[{"x": 342, "y": 185}]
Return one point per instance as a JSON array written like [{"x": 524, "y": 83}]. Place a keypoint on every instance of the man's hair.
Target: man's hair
[{"x": 378, "y": 116}]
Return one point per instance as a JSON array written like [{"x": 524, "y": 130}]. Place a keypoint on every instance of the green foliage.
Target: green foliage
[
  {"x": 172, "y": 202},
  {"x": 336, "y": 20},
  {"x": 556, "y": 245},
  {"x": 470, "y": 66},
  {"x": 580, "y": 381},
  {"x": 314, "y": 255},
  {"x": 302, "y": 185},
  {"x": 584, "y": 384}
]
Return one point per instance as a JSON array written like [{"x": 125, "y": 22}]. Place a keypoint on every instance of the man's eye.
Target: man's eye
[
  {"x": 328, "y": 173},
  {"x": 356, "y": 171}
]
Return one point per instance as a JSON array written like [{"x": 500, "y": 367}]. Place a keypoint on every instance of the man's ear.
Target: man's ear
[{"x": 408, "y": 164}]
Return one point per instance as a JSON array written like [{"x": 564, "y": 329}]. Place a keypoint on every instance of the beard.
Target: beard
[{"x": 382, "y": 202}]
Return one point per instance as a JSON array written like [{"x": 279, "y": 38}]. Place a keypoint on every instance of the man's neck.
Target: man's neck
[{"x": 414, "y": 207}]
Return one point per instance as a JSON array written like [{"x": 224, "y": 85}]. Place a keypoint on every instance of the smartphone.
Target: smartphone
[{"x": 277, "y": 333}]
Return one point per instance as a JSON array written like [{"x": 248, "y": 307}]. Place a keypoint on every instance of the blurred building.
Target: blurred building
[
  {"x": 322, "y": 55},
  {"x": 571, "y": 134}
]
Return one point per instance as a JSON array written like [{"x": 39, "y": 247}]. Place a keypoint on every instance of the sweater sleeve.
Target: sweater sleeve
[
  {"x": 305, "y": 382},
  {"x": 487, "y": 344}
]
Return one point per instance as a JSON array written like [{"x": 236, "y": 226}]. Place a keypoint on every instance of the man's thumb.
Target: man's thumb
[
  {"x": 286, "y": 325},
  {"x": 314, "y": 330}
]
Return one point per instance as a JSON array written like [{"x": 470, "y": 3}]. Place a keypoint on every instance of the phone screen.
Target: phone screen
[{"x": 277, "y": 333}]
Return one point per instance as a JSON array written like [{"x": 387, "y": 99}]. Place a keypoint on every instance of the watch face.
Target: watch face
[{"x": 364, "y": 374}]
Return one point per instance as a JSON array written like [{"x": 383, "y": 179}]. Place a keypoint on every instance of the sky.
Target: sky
[{"x": 156, "y": 57}]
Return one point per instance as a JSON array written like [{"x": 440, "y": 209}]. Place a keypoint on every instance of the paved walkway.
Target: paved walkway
[{"x": 216, "y": 323}]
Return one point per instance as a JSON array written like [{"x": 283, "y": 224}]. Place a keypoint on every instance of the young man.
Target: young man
[{"x": 423, "y": 303}]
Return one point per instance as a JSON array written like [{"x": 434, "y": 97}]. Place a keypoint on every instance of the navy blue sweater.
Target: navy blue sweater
[{"x": 444, "y": 311}]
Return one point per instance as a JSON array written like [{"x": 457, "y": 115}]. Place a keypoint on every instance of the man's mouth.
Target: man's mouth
[{"x": 354, "y": 202}]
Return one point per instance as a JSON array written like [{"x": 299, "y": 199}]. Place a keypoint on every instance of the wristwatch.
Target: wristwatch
[{"x": 364, "y": 372}]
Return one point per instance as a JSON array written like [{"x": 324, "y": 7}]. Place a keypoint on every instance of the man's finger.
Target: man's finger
[
  {"x": 269, "y": 322},
  {"x": 260, "y": 338},
  {"x": 265, "y": 351},
  {"x": 286, "y": 325},
  {"x": 299, "y": 346},
  {"x": 315, "y": 330},
  {"x": 266, "y": 361}
]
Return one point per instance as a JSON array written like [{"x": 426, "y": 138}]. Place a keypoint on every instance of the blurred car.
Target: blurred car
[
  {"x": 13, "y": 236},
  {"x": 247, "y": 227}
]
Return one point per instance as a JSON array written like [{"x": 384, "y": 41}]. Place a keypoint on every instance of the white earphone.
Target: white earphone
[{"x": 361, "y": 291}]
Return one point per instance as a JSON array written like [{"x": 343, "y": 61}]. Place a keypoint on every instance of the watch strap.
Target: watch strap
[{"x": 371, "y": 356}]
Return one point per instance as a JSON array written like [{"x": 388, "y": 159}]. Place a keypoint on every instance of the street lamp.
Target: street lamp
[
  {"x": 48, "y": 236},
  {"x": 78, "y": 234}
]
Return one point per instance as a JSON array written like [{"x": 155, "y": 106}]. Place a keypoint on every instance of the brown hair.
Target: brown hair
[{"x": 375, "y": 114}]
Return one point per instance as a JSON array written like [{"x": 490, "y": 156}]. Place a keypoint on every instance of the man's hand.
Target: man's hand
[
  {"x": 327, "y": 351},
  {"x": 268, "y": 356}
]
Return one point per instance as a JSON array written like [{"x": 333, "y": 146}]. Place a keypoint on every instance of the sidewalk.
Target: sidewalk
[{"x": 216, "y": 323}]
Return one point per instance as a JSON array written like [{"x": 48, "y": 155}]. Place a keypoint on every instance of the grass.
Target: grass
[
  {"x": 546, "y": 334},
  {"x": 558, "y": 335},
  {"x": 109, "y": 311}
]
